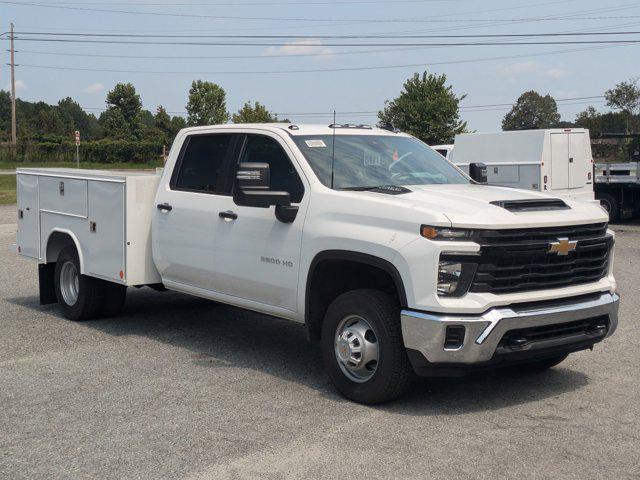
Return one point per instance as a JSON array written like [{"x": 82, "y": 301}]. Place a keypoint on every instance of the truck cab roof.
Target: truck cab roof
[{"x": 297, "y": 129}]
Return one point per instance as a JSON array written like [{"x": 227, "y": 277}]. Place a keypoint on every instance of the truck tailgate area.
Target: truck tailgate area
[{"x": 107, "y": 214}]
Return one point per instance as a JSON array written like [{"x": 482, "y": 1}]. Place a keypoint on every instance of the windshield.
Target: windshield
[{"x": 365, "y": 161}]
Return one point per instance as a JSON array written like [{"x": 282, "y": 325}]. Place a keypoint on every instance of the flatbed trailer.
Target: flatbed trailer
[{"x": 617, "y": 186}]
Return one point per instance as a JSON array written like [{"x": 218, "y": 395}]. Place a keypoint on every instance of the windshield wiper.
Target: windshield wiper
[{"x": 391, "y": 189}]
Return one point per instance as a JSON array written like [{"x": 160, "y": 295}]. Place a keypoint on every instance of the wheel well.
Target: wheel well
[
  {"x": 333, "y": 273},
  {"x": 57, "y": 241}
]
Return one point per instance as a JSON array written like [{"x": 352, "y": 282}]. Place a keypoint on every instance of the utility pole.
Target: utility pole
[{"x": 14, "y": 140}]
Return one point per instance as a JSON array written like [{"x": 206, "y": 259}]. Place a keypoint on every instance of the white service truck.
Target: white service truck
[
  {"x": 396, "y": 261},
  {"x": 556, "y": 161}
]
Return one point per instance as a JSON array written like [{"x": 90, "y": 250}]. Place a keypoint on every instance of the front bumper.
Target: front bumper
[{"x": 426, "y": 333}]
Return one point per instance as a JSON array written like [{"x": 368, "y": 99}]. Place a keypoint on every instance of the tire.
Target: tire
[
  {"x": 610, "y": 204},
  {"x": 542, "y": 365},
  {"x": 114, "y": 298},
  {"x": 70, "y": 285},
  {"x": 376, "y": 381}
]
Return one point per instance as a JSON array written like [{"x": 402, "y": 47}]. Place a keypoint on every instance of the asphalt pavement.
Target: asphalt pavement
[{"x": 179, "y": 387}]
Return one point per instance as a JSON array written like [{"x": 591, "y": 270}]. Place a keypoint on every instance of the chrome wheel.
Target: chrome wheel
[
  {"x": 69, "y": 283},
  {"x": 356, "y": 348}
]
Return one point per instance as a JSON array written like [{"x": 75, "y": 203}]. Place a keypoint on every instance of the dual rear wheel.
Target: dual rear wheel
[{"x": 82, "y": 297}]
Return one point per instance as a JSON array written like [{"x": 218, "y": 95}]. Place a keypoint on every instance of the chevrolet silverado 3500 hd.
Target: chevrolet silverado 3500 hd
[{"x": 396, "y": 261}]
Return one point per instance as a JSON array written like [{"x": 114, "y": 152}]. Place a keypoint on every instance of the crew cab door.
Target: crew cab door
[
  {"x": 186, "y": 216},
  {"x": 257, "y": 257}
]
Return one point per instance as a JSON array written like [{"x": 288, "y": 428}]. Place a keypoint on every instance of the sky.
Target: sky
[{"x": 305, "y": 77}]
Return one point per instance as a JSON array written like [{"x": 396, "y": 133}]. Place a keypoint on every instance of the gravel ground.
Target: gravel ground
[{"x": 181, "y": 388}]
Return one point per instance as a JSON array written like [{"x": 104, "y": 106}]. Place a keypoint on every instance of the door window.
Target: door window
[
  {"x": 263, "y": 149},
  {"x": 202, "y": 165}
]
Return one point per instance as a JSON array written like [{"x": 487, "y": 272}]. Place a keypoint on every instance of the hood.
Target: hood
[{"x": 469, "y": 206}]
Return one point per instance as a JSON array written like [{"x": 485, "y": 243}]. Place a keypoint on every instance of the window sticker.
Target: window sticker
[
  {"x": 371, "y": 158},
  {"x": 315, "y": 143}
]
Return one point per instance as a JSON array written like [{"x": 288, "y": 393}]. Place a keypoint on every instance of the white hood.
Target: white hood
[{"x": 470, "y": 206}]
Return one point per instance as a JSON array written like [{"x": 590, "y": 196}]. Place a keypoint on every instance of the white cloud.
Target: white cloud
[
  {"x": 555, "y": 73},
  {"x": 517, "y": 69},
  {"x": 20, "y": 85},
  {"x": 305, "y": 46},
  {"x": 532, "y": 68},
  {"x": 94, "y": 88}
]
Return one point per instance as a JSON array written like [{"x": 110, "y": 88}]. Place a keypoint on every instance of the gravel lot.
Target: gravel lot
[{"x": 181, "y": 388}]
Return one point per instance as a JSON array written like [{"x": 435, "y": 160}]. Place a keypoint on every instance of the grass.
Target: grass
[
  {"x": 91, "y": 166},
  {"x": 7, "y": 189}
]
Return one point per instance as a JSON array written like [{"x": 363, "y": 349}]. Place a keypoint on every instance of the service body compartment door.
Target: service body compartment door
[
  {"x": 578, "y": 167},
  {"x": 559, "y": 161},
  {"x": 105, "y": 245},
  {"x": 28, "y": 216},
  {"x": 64, "y": 195}
]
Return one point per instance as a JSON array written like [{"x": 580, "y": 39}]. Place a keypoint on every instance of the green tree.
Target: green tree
[
  {"x": 79, "y": 120},
  {"x": 177, "y": 124},
  {"x": 626, "y": 97},
  {"x": 532, "y": 111},
  {"x": 207, "y": 104},
  {"x": 114, "y": 124},
  {"x": 256, "y": 113},
  {"x": 124, "y": 98},
  {"x": 427, "y": 108},
  {"x": 162, "y": 120}
]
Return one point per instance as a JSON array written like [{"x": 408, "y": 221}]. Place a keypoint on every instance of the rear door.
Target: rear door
[
  {"x": 186, "y": 215},
  {"x": 28, "y": 216},
  {"x": 578, "y": 167},
  {"x": 559, "y": 161}
]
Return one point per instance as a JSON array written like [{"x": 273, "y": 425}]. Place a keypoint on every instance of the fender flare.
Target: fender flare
[
  {"x": 74, "y": 239},
  {"x": 357, "y": 257}
]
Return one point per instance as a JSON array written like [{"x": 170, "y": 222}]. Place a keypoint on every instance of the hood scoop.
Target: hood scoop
[{"x": 533, "y": 205}]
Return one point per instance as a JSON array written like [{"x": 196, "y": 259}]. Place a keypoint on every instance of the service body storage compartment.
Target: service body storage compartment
[
  {"x": 554, "y": 161},
  {"x": 107, "y": 215}
]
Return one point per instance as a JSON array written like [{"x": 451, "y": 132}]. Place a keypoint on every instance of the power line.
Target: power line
[
  {"x": 265, "y": 18},
  {"x": 252, "y": 4},
  {"x": 374, "y": 113},
  {"x": 288, "y": 44},
  {"x": 340, "y": 69},
  {"x": 330, "y": 37}
]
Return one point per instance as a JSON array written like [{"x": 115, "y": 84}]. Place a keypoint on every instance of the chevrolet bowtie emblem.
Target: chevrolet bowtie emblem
[{"x": 563, "y": 246}]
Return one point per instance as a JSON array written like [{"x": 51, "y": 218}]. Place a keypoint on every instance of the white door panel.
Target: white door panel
[
  {"x": 28, "y": 216},
  {"x": 184, "y": 237},
  {"x": 559, "y": 161},
  {"x": 578, "y": 167},
  {"x": 257, "y": 257}
]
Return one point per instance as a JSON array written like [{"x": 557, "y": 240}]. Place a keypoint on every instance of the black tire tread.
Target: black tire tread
[{"x": 388, "y": 313}]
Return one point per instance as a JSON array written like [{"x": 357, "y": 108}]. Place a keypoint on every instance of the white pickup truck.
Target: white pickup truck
[{"x": 395, "y": 260}]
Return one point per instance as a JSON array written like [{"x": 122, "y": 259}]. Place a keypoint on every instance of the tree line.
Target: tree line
[{"x": 427, "y": 107}]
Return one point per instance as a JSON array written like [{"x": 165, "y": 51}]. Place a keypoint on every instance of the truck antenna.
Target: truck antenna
[{"x": 333, "y": 146}]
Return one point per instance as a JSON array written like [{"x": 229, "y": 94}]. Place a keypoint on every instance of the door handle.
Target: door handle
[
  {"x": 228, "y": 215},
  {"x": 165, "y": 207}
]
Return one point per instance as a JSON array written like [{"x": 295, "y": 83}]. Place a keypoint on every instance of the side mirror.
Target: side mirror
[
  {"x": 478, "y": 172},
  {"x": 252, "y": 187}
]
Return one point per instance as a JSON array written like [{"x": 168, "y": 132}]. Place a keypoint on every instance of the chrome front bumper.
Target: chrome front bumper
[{"x": 426, "y": 332}]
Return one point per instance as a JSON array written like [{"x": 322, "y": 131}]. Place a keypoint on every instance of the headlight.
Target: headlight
[
  {"x": 448, "y": 277},
  {"x": 445, "y": 233},
  {"x": 454, "y": 277}
]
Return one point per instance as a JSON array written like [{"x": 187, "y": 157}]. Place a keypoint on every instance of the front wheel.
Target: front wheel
[{"x": 362, "y": 347}]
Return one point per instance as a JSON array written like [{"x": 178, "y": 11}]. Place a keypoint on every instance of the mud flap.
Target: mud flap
[{"x": 46, "y": 272}]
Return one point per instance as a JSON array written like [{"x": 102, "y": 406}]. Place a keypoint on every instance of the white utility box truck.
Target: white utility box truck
[
  {"x": 555, "y": 161},
  {"x": 396, "y": 261}
]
